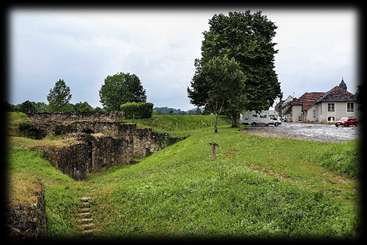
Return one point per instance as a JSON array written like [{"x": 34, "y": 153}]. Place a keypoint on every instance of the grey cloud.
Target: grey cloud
[{"x": 83, "y": 47}]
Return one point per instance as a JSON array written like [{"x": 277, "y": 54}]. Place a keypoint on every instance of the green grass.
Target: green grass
[
  {"x": 15, "y": 119},
  {"x": 178, "y": 125},
  {"x": 258, "y": 186},
  {"x": 61, "y": 192},
  {"x": 342, "y": 158},
  {"x": 252, "y": 189}
]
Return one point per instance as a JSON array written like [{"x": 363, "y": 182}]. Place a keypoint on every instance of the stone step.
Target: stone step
[
  {"x": 85, "y": 220},
  {"x": 83, "y": 199},
  {"x": 87, "y": 226},
  {"x": 84, "y": 210},
  {"x": 84, "y": 215},
  {"x": 84, "y": 204},
  {"x": 88, "y": 231}
]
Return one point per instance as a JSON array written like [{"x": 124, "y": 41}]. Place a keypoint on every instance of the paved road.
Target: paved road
[{"x": 318, "y": 132}]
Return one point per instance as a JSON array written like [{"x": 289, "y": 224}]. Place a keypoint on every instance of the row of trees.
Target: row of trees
[
  {"x": 236, "y": 70},
  {"x": 117, "y": 90},
  {"x": 174, "y": 111},
  {"x": 58, "y": 101},
  {"x": 37, "y": 107}
]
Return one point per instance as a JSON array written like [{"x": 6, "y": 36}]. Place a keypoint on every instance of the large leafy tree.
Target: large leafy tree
[
  {"x": 59, "y": 96},
  {"x": 246, "y": 37},
  {"x": 28, "y": 107},
  {"x": 83, "y": 107},
  {"x": 224, "y": 86},
  {"x": 119, "y": 89},
  {"x": 41, "y": 107}
]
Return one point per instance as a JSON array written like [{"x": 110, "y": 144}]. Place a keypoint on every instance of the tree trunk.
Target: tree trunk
[
  {"x": 216, "y": 123},
  {"x": 234, "y": 120}
]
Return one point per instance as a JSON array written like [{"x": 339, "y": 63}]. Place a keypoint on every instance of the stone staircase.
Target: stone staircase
[{"x": 84, "y": 218}]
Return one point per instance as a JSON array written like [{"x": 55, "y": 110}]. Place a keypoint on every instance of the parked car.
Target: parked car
[
  {"x": 347, "y": 121},
  {"x": 263, "y": 118}
]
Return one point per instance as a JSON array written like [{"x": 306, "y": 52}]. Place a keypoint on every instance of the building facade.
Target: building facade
[{"x": 323, "y": 107}]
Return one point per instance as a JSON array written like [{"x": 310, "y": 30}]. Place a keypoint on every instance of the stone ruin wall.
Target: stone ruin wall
[
  {"x": 99, "y": 144},
  {"x": 26, "y": 221},
  {"x": 76, "y": 116}
]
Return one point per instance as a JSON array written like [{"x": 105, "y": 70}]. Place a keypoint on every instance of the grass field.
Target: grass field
[
  {"x": 178, "y": 125},
  {"x": 258, "y": 186}
]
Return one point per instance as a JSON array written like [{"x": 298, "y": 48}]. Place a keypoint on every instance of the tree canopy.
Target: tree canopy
[
  {"x": 83, "y": 107},
  {"x": 28, "y": 107},
  {"x": 119, "y": 89},
  {"x": 224, "y": 86},
  {"x": 247, "y": 38},
  {"x": 59, "y": 96}
]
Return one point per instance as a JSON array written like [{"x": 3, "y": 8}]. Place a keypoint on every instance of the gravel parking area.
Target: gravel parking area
[{"x": 317, "y": 132}]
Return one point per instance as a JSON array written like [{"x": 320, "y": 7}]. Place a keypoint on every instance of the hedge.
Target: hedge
[{"x": 133, "y": 110}]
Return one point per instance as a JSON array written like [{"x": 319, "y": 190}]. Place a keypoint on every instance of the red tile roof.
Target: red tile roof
[
  {"x": 337, "y": 94},
  {"x": 308, "y": 99}
]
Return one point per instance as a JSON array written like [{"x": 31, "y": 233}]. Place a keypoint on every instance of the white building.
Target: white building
[{"x": 324, "y": 107}]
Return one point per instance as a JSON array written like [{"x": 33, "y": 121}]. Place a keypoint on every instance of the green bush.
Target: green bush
[{"x": 134, "y": 110}]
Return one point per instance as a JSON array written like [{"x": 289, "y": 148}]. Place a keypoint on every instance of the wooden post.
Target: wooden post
[{"x": 213, "y": 150}]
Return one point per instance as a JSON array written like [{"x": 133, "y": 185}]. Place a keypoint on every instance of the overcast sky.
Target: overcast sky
[{"x": 316, "y": 49}]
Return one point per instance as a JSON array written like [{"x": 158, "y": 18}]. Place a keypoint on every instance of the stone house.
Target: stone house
[{"x": 323, "y": 107}]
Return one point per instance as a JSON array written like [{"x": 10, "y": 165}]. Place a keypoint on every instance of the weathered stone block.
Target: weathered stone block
[{"x": 72, "y": 160}]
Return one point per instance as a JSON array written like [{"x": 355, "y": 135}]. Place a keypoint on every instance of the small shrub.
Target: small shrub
[
  {"x": 28, "y": 130},
  {"x": 136, "y": 110}
]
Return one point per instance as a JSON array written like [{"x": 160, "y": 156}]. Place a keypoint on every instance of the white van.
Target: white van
[{"x": 263, "y": 118}]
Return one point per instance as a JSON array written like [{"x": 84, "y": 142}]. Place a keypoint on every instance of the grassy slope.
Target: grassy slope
[
  {"x": 180, "y": 125},
  {"x": 61, "y": 192},
  {"x": 257, "y": 186},
  {"x": 16, "y": 118}
]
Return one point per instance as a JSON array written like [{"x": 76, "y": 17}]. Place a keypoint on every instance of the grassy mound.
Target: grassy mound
[
  {"x": 180, "y": 125},
  {"x": 258, "y": 186}
]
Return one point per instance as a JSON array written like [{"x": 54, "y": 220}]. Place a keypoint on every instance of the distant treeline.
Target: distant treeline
[
  {"x": 167, "y": 110},
  {"x": 37, "y": 107}
]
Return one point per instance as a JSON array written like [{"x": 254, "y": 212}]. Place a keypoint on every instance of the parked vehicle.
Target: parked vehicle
[
  {"x": 263, "y": 118},
  {"x": 347, "y": 121}
]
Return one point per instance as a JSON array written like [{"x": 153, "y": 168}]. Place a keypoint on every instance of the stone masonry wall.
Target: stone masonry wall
[
  {"x": 27, "y": 221},
  {"x": 73, "y": 160},
  {"x": 100, "y": 142},
  {"x": 74, "y": 116},
  {"x": 92, "y": 153},
  {"x": 108, "y": 151}
]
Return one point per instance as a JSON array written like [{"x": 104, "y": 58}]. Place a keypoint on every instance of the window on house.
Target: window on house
[
  {"x": 331, "y": 107},
  {"x": 331, "y": 119},
  {"x": 314, "y": 113},
  {"x": 262, "y": 116},
  {"x": 350, "y": 107}
]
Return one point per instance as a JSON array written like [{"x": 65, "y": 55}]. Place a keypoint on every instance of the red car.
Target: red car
[{"x": 347, "y": 121}]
